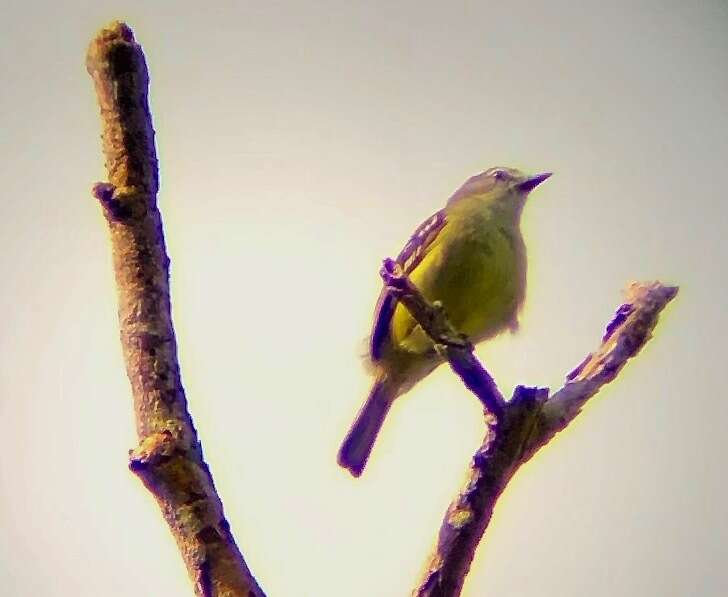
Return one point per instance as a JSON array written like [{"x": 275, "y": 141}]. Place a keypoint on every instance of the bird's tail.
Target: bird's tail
[{"x": 357, "y": 445}]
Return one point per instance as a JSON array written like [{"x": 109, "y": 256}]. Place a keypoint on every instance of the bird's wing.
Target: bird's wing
[{"x": 408, "y": 259}]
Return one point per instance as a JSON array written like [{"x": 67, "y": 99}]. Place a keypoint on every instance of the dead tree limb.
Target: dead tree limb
[
  {"x": 516, "y": 429},
  {"x": 169, "y": 457}
]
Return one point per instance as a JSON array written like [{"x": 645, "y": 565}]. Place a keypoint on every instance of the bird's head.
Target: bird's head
[{"x": 506, "y": 186}]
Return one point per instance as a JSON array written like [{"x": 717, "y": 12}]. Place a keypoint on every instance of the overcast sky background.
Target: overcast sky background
[{"x": 300, "y": 143}]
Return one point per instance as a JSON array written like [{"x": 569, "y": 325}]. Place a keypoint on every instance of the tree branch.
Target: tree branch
[
  {"x": 523, "y": 424},
  {"x": 451, "y": 344},
  {"x": 169, "y": 457}
]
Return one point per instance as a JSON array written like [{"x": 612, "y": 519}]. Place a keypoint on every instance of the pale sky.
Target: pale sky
[{"x": 301, "y": 143}]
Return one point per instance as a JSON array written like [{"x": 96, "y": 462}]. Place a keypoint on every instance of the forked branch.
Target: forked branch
[{"x": 516, "y": 429}]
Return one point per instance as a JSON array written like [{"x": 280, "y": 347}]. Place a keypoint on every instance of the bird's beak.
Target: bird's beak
[{"x": 533, "y": 181}]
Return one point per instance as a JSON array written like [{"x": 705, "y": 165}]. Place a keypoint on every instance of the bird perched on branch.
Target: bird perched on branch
[{"x": 470, "y": 256}]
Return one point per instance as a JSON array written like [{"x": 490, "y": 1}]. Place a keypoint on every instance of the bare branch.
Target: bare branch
[
  {"x": 453, "y": 346},
  {"x": 169, "y": 457},
  {"x": 529, "y": 420},
  {"x": 629, "y": 330}
]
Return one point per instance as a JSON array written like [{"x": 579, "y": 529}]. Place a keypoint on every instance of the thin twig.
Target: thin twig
[
  {"x": 169, "y": 457},
  {"x": 453, "y": 346}
]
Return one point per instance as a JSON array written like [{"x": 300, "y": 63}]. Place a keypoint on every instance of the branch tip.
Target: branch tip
[{"x": 115, "y": 33}]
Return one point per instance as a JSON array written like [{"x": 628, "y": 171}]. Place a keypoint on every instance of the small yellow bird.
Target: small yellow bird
[{"x": 470, "y": 256}]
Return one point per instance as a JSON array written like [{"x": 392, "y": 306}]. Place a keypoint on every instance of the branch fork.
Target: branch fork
[{"x": 517, "y": 428}]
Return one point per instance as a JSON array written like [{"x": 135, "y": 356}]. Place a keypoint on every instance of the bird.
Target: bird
[{"x": 470, "y": 256}]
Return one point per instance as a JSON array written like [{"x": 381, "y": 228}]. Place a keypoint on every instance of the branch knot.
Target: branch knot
[{"x": 155, "y": 449}]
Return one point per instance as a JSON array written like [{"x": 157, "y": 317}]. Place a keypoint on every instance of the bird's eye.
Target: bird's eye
[{"x": 500, "y": 174}]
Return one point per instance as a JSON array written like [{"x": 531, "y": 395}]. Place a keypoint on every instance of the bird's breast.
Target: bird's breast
[{"x": 479, "y": 275}]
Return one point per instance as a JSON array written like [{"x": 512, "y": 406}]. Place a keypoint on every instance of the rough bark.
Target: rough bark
[
  {"x": 169, "y": 457},
  {"x": 515, "y": 429}
]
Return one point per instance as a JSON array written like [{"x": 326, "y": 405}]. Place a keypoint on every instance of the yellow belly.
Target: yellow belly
[{"x": 479, "y": 276}]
